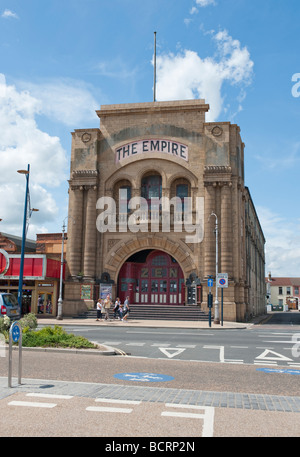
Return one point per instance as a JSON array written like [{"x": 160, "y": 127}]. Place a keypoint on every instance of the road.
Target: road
[
  {"x": 80, "y": 394},
  {"x": 275, "y": 344}
]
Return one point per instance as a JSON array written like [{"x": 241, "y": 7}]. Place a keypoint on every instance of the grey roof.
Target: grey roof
[{"x": 29, "y": 244}]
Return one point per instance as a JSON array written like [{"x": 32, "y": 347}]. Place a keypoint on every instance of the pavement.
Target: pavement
[{"x": 151, "y": 323}]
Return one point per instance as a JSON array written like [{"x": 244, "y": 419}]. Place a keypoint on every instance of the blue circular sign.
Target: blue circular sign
[
  {"x": 144, "y": 377},
  {"x": 15, "y": 330}
]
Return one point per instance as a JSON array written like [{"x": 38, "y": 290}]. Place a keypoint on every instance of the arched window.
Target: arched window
[
  {"x": 124, "y": 196},
  {"x": 151, "y": 187}
]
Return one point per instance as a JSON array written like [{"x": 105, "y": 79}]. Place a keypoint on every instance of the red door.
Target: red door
[{"x": 158, "y": 280}]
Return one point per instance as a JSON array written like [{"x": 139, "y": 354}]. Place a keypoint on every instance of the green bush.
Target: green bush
[
  {"x": 29, "y": 321},
  {"x": 54, "y": 337},
  {"x": 5, "y": 326}
]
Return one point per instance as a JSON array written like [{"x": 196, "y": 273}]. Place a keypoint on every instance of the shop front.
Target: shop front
[{"x": 41, "y": 277}]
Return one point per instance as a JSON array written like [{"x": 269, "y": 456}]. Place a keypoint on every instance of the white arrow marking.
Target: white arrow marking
[
  {"x": 277, "y": 356},
  {"x": 167, "y": 352}
]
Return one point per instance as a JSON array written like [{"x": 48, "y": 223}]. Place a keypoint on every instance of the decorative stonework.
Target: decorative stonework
[
  {"x": 86, "y": 137},
  {"x": 217, "y": 131}
]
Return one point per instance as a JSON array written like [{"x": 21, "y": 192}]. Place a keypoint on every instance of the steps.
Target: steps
[{"x": 158, "y": 312}]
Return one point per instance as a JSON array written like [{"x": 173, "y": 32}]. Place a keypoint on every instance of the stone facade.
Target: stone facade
[{"x": 170, "y": 140}]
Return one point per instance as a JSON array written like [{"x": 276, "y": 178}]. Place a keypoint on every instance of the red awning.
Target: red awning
[{"x": 35, "y": 267}]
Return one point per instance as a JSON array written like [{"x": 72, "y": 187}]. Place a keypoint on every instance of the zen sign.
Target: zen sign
[{"x": 222, "y": 280}]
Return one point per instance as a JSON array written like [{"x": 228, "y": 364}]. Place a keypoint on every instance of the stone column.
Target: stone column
[
  {"x": 209, "y": 237},
  {"x": 226, "y": 230},
  {"x": 75, "y": 235},
  {"x": 89, "y": 258}
]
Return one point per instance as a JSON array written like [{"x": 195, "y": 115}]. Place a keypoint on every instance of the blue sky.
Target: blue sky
[{"x": 61, "y": 60}]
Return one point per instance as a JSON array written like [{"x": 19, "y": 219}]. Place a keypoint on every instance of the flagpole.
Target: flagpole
[{"x": 154, "y": 85}]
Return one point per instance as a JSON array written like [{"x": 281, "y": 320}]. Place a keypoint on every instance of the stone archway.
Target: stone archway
[{"x": 122, "y": 251}]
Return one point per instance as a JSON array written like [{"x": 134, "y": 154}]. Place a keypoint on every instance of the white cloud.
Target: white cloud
[
  {"x": 282, "y": 243},
  {"x": 203, "y": 3},
  {"x": 23, "y": 143},
  {"x": 187, "y": 76},
  {"x": 64, "y": 100},
  {"x": 8, "y": 13}
]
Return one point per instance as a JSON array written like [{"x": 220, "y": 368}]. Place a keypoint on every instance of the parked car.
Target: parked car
[{"x": 9, "y": 306}]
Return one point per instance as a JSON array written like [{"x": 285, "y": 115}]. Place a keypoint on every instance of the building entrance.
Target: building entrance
[{"x": 151, "y": 276}]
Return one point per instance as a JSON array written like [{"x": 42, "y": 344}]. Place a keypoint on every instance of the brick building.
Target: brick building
[
  {"x": 145, "y": 192},
  {"x": 41, "y": 271},
  {"x": 283, "y": 291}
]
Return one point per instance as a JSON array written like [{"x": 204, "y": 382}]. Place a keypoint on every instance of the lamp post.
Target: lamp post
[
  {"x": 216, "y": 313},
  {"x": 25, "y": 226},
  {"x": 60, "y": 300}
]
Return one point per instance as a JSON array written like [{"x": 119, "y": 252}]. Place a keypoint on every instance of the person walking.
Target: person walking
[
  {"x": 99, "y": 309},
  {"x": 107, "y": 305},
  {"x": 116, "y": 307},
  {"x": 126, "y": 309}
]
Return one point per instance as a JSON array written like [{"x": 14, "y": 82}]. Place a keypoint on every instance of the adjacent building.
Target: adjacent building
[
  {"x": 283, "y": 291},
  {"x": 41, "y": 274}
]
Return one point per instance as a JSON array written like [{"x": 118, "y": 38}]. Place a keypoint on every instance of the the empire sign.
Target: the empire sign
[{"x": 153, "y": 145}]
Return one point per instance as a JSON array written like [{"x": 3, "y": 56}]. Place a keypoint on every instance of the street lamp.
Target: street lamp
[
  {"x": 26, "y": 218},
  {"x": 60, "y": 300},
  {"x": 216, "y": 313}
]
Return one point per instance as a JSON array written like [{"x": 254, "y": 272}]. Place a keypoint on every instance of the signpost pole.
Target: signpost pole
[
  {"x": 222, "y": 282},
  {"x": 10, "y": 360},
  {"x": 20, "y": 358},
  {"x": 222, "y": 306},
  {"x": 15, "y": 335},
  {"x": 210, "y": 283}
]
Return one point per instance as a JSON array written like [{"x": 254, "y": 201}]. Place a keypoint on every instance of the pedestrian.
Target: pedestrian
[
  {"x": 107, "y": 305},
  {"x": 99, "y": 309},
  {"x": 126, "y": 309},
  {"x": 120, "y": 311},
  {"x": 116, "y": 307}
]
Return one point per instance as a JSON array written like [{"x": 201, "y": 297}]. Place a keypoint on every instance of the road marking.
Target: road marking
[
  {"x": 110, "y": 343},
  {"x": 169, "y": 354},
  {"x": 264, "y": 356},
  {"x": 159, "y": 344},
  {"x": 32, "y": 404},
  {"x": 236, "y": 361},
  {"x": 186, "y": 346},
  {"x": 267, "y": 362},
  {"x": 113, "y": 400},
  {"x": 208, "y": 416},
  {"x": 240, "y": 347},
  {"x": 288, "y": 341},
  {"x": 104, "y": 409},
  {"x": 135, "y": 344},
  {"x": 221, "y": 349},
  {"x": 63, "y": 397}
]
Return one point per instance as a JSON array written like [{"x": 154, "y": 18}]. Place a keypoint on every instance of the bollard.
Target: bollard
[{"x": 209, "y": 303}]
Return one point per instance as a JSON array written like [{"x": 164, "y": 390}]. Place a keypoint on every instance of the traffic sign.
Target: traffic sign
[
  {"x": 210, "y": 282},
  {"x": 143, "y": 377},
  {"x": 15, "y": 330},
  {"x": 222, "y": 280}
]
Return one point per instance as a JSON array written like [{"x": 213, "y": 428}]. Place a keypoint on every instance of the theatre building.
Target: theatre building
[{"x": 157, "y": 204}]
